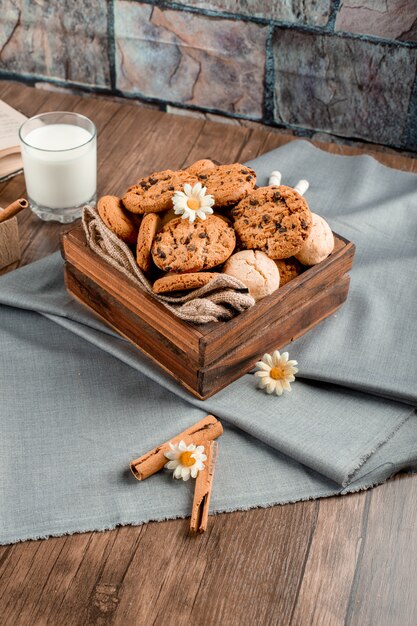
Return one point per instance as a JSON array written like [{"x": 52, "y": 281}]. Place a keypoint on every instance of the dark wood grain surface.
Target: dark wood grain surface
[{"x": 344, "y": 560}]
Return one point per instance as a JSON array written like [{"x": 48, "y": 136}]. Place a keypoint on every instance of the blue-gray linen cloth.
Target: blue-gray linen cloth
[{"x": 78, "y": 402}]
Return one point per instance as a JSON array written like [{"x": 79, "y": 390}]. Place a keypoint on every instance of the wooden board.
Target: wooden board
[
  {"x": 205, "y": 358},
  {"x": 338, "y": 561}
]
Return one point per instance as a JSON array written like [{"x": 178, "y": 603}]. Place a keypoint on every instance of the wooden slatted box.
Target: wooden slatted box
[{"x": 205, "y": 358}]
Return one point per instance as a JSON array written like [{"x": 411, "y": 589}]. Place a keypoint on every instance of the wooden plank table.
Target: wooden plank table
[{"x": 342, "y": 560}]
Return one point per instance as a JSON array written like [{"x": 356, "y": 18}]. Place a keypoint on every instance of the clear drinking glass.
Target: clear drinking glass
[{"x": 59, "y": 153}]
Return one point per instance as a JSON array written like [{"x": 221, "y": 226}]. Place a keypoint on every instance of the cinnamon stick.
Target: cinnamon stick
[
  {"x": 202, "y": 490},
  {"x": 207, "y": 429},
  {"x": 13, "y": 209}
]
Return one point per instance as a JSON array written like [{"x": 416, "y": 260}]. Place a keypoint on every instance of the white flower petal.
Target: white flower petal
[
  {"x": 203, "y": 457},
  {"x": 170, "y": 455},
  {"x": 200, "y": 214},
  {"x": 263, "y": 382},
  {"x": 187, "y": 189},
  {"x": 278, "y": 391},
  {"x": 263, "y": 366},
  {"x": 194, "y": 471},
  {"x": 267, "y": 358},
  {"x": 278, "y": 385},
  {"x": 290, "y": 379},
  {"x": 182, "y": 446},
  {"x": 271, "y": 385},
  {"x": 286, "y": 385},
  {"x": 262, "y": 374},
  {"x": 185, "y": 473},
  {"x": 171, "y": 445},
  {"x": 284, "y": 357},
  {"x": 177, "y": 472},
  {"x": 276, "y": 357},
  {"x": 200, "y": 448},
  {"x": 171, "y": 465},
  {"x": 196, "y": 190}
]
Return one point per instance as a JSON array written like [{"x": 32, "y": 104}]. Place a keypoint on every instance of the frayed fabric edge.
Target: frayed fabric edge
[
  {"x": 37, "y": 536},
  {"x": 367, "y": 456}
]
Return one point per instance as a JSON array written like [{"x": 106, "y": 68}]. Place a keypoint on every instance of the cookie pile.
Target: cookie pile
[{"x": 187, "y": 226}]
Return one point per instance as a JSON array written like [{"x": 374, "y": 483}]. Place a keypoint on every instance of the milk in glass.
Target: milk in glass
[{"x": 59, "y": 161}]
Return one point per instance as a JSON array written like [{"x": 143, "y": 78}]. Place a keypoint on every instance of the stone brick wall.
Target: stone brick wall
[{"x": 344, "y": 67}]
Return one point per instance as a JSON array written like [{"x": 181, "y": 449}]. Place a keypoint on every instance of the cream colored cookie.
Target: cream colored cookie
[
  {"x": 112, "y": 213},
  {"x": 256, "y": 270},
  {"x": 318, "y": 245}
]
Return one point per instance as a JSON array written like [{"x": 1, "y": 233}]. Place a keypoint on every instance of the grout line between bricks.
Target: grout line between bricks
[
  {"x": 111, "y": 43},
  {"x": 409, "y": 138},
  {"x": 269, "y": 80},
  {"x": 334, "y": 10}
]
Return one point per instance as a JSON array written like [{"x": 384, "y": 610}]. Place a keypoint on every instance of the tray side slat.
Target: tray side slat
[
  {"x": 273, "y": 336},
  {"x": 75, "y": 251},
  {"x": 176, "y": 362},
  {"x": 280, "y": 304}
]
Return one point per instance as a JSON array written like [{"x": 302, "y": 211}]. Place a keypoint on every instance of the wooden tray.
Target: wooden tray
[{"x": 205, "y": 358}]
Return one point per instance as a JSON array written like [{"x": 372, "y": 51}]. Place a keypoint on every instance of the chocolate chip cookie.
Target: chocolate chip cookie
[
  {"x": 276, "y": 220},
  {"x": 228, "y": 184},
  {"x": 184, "y": 247},
  {"x": 153, "y": 194},
  {"x": 199, "y": 167},
  {"x": 288, "y": 269},
  {"x": 183, "y": 282},
  {"x": 115, "y": 217},
  {"x": 147, "y": 231}
]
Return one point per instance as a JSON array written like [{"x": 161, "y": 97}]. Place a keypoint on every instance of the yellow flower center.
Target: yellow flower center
[
  {"x": 277, "y": 373},
  {"x": 193, "y": 204},
  {"x": 186, "y": 459}
]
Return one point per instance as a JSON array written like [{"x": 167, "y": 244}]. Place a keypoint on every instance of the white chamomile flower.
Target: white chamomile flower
[
  {"x": 276, "y": 372},
  {"x": 193, "y": 202},
  {"x": 184, "y": 460}
]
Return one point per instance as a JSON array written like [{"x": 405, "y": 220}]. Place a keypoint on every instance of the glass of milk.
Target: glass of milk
[{"x": 59, "y": 153}]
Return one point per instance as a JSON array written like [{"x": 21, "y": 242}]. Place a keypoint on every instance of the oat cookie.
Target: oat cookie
[
  {"x": 200, "y": 166},
  {"x": 288, "y": 269},
  {"x": 184, "y": 247},
  {"x": 228, "y": 184},
  {"x": 274, "y": 219},
  {"x": 182, "y": 282},
  {"x": 117, "y": 219},
  {"x": 153, "y": 194},
  {"x": 147, "y": 231}
]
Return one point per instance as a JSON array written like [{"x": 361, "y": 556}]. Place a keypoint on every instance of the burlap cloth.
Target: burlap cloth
[{"x": 219, "y": 300}]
